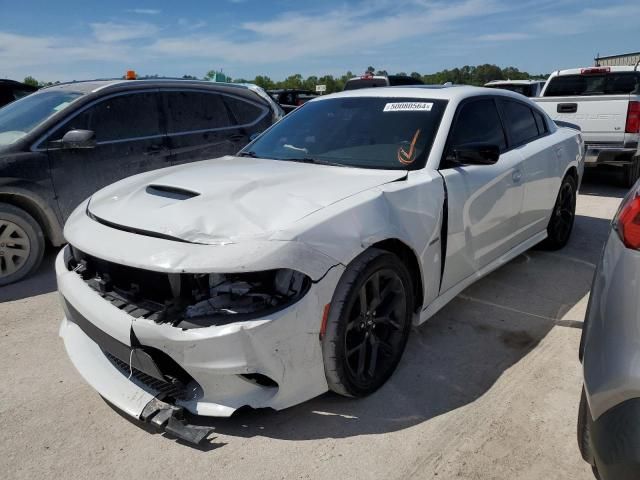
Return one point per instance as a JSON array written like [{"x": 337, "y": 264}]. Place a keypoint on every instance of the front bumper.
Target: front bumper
[{"x": 284, "y": 347}]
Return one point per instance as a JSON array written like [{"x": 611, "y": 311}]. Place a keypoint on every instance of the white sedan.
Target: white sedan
[{"x": 299, "y": 265}]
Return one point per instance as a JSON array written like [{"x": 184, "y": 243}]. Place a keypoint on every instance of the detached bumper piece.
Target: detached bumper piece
[{"x": 171, "y": 418}]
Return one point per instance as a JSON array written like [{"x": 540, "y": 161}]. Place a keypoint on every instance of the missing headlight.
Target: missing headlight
[
  {"x": 234, "y": 297},
  {"x": 188, "y": 300}
]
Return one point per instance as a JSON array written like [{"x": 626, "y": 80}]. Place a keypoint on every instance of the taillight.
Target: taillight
[
  {"x": 633, "y": 118},
  {"x": 627, "y": 221}
]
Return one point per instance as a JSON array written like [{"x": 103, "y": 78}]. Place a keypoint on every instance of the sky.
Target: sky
[{"x": 79, "y": 39}]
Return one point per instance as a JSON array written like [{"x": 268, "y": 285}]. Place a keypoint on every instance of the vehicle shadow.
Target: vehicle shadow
[
  {"x": 455, "y": 357},
  {"x": 43, "y": 281},
  {"x": 603, "y": 182}
]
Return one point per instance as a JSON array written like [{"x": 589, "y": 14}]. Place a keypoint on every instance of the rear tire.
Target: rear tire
[
  {"x": 368, "y": 324},
  {"x": 563, "y": 216},
  {"x": 21, "y": 244},
  {"x": 631, "y": 173}
]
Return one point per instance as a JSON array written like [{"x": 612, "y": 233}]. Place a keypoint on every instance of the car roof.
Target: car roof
[
  {"x": 432, "y": 92},
  {"x": 91, "y": 86}
]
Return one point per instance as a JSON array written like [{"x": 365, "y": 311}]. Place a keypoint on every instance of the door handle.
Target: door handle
[
  {"x": 516, "y": 176},
  {"x": 237, "y": 137}
]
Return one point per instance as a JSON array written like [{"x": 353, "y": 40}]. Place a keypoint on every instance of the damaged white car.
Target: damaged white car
[{"x": 299, "y": 265}]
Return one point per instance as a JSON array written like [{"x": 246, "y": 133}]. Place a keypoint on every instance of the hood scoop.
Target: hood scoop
[{"x": 174, "y": 193}]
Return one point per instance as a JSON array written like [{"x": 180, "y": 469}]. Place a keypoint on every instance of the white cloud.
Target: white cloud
[
  {"x": 504, "y": 37},
  {"x": 145, "y": 11},
  {"x": 345, "y": 30},
  {"x": 189, "y": 25},
  {"x": 601, "y": 18},
  {"x": 118, "y": 32}
]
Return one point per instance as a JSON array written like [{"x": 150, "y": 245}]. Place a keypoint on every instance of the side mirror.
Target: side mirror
[
  {"x": 79, "y": 139},
  {"x": 475, "y": 154}
]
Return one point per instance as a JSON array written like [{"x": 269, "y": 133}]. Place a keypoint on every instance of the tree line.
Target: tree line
[{"x": 468, "y": 75}]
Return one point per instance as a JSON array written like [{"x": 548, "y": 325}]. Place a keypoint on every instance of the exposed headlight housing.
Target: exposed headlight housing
[{"x": 190, "y": 300}]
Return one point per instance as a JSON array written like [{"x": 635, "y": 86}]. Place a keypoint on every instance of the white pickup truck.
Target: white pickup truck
[{"x": 605, "y": 103}]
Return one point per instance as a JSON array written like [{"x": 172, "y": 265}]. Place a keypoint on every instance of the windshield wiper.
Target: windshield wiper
[
  {"x": 315, "y": 161},
  {"x": 250, "y": 153}
]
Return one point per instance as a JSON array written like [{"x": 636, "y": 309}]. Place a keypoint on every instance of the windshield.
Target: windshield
[
  {"x": 364, "y": 132},
  {"x": 617, "y": 83},
  {"x": 22, "y": 116},
  {"x": 522, "y": 89}
]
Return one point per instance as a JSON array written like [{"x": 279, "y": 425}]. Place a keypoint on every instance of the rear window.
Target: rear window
[
  {"x": 244, "y": 113},
  {"x": 356, "y": 83},
  {"x": 522, "y": 89},
  {"x": 191, "y": 111},
  {"x": 620, "y": 83}
]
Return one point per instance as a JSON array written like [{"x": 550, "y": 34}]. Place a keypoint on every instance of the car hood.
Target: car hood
[{"x": 228, "y": 199}]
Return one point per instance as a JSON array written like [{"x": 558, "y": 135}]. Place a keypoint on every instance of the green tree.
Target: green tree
[{"x": 29, "y": 80}]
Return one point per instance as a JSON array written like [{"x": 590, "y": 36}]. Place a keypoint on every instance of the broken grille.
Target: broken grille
[{"x": 165, "y": 388}]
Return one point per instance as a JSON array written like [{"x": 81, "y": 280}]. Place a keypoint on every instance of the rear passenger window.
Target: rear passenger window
[
  {"x": 540, "y": 123},
  {"x": 190, "y": 111},
  {"x": 478, "y": 122},
  {"x": 121, "y": 117},
  {"x": 244, "y": 112},
  {"x": 520, "y": 122}
]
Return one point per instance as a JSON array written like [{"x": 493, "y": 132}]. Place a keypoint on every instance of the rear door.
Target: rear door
[
  {"x": 598, "y": 102},
  {"x": 129, "y": 140},
  {"x": 203, "y": 125},
  {"x": 528, "y": 134},
  {"x": 484, "y": 201}
]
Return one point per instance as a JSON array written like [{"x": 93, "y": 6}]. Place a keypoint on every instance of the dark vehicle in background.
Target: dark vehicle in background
[
  {"x": 11, "y": 90},
  {"x": 291, "y": 98},
  {"x": 62, "y": 143},
  {"x": 370, "y": 80},
  {"x": 528, "y": 88}
]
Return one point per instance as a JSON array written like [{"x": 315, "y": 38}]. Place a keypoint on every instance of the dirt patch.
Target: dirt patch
[{"x": 518, "y": 339}]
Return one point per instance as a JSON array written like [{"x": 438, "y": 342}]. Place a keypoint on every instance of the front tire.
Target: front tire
[
  {"x": 368, "y": 324},
  {"x": 21, "y": 244},
  {"x": 563, "y": 216}
]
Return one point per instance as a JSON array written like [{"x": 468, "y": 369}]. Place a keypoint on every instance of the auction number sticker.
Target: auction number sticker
[{"x": 408, "y": 107}]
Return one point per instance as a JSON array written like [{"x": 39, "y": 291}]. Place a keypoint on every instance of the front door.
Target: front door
[
  {"x": 484, "y": 201},
  {"x": 129, "y": 140}
]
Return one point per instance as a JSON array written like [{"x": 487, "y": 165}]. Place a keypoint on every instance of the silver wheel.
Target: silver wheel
[{"x": 15, "y": 248}]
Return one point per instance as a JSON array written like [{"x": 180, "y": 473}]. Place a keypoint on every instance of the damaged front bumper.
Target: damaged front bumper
[{"x": 222, "y": 366}]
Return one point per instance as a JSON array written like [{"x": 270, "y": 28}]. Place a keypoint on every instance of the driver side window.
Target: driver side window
[{"x": 478, "y": 122}]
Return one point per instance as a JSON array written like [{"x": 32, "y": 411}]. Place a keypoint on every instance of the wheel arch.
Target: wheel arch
[
  {"x": 409, "y": 257},
  {"x": 37, "y": 207}
]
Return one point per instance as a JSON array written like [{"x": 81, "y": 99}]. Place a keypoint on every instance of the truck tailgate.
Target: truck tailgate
[{"x": 602, "y": 118}]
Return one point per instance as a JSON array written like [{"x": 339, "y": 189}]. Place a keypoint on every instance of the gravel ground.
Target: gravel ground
[{"x": 487, "y": 389}]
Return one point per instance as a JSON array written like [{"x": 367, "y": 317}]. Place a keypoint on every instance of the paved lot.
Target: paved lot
[{"x": 488, "y": 389}]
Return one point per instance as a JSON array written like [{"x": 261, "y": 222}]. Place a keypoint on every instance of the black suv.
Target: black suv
[
  {"x": 62, "y": 143},
  {"x": 291, "y": 98},
  {"x": 11, "y": 90}
]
